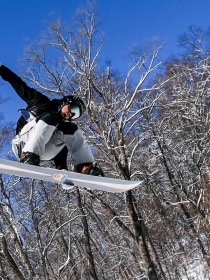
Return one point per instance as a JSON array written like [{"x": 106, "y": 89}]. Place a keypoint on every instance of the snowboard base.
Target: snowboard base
[{"x": 66, "y": 178}]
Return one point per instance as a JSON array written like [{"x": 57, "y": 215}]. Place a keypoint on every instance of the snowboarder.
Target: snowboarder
[{"x": 45, "y": 132}]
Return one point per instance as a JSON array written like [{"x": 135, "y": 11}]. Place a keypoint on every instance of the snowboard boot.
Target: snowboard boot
[
  {"x": 30, "y": 158},
  {"x": 94, "y": 170},
  {"x": 90, "y": 169}
]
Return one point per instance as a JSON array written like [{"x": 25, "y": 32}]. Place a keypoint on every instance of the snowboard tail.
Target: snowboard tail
[{"x": 66, "y": 178}]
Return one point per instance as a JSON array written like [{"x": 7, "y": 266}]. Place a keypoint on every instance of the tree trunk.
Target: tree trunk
[
  {"x": 139, "y": 232},
  {"x": 92, "y": 270}
]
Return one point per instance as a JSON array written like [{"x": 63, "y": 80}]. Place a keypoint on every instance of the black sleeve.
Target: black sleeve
[
  {"x": 31, "y": 96},
  {"x": 20, "y": 124}
]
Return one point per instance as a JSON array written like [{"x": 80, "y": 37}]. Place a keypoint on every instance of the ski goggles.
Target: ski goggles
[{"x": 74, "y": 110}]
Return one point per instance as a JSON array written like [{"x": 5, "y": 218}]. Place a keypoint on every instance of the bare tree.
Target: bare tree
[{"x": 140, "y": 126}]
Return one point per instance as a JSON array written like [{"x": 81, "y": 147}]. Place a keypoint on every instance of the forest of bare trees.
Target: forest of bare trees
[{"x": 152, "y": 124}]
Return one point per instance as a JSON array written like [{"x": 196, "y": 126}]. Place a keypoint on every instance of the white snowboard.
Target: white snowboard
[{"x": 66, "y": 178}]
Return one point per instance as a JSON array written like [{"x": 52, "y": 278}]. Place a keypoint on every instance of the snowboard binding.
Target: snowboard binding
[{"x": 94, "y": 170}]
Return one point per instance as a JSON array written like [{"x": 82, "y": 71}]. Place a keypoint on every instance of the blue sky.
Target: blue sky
[{"x": 124, "y": 22}]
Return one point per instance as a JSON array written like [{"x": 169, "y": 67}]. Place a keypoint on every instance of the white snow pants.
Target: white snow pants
[{"x": 46, "y": 140}]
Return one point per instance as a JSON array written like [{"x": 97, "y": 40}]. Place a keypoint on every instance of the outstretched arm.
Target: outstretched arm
[{"x": 31, "y": 96}]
